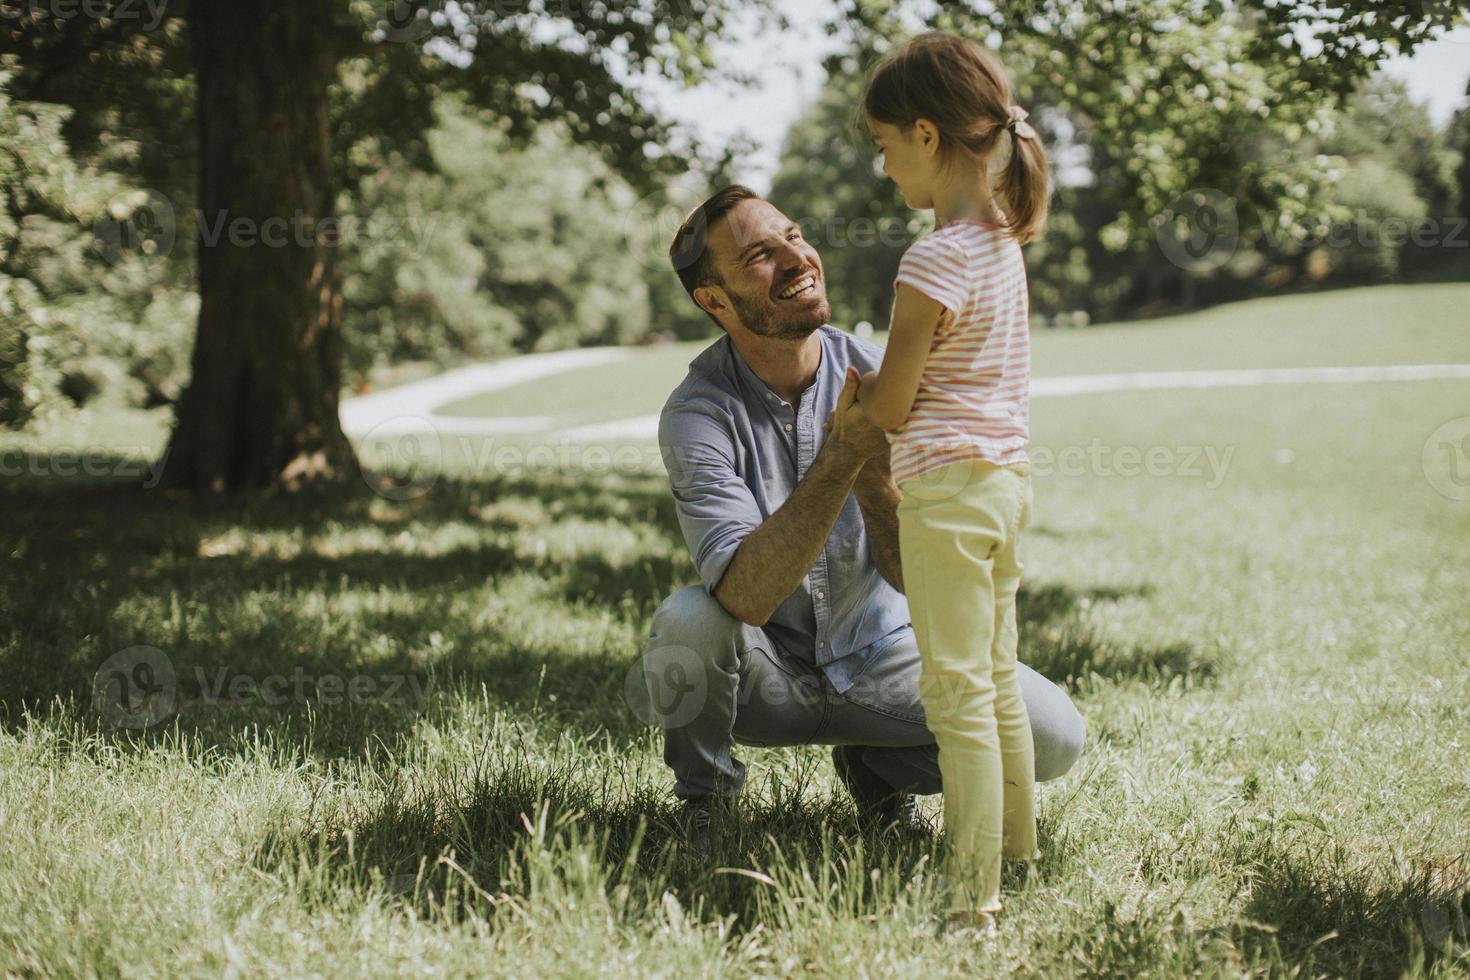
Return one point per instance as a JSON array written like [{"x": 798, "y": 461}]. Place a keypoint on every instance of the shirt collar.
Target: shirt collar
[{"x": 762, "y": 390}]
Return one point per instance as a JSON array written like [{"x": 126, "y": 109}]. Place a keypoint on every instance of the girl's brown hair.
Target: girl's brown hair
[{"x": 963, "y": 90}]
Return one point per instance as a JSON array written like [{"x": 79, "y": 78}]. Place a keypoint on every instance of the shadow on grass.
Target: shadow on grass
[
  {"x": 492, "y": 824},
  {"x": 98, "y": 567},
  {"x": 1328, "y": 915},
  {"x": 1059, "y": 645},
  {"x": 95, "y": 567}
]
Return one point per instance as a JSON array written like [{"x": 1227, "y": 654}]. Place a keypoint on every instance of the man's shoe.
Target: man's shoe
[
  {"x": 877, "y": 802},
  {"x": 696, "y": 817}
]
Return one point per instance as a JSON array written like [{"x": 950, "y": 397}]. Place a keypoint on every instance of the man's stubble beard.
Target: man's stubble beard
[{"x": 755, "y": 316}]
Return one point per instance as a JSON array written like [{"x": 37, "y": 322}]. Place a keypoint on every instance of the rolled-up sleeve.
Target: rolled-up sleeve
[{"x": 716, "y": 509}]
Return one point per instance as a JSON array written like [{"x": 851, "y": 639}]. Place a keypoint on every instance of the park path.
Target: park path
[
  {"x": 646, "y": 426},
  {"x": 411, "y": 407}
]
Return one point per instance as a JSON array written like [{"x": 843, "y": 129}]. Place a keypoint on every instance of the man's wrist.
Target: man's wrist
[
  {"x": 876, "y": 467},
  {"x": 876, "y": 485},
  {"x": 842, "y": 446}
]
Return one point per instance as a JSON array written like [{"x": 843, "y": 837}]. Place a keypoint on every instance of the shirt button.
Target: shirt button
[
  {"x": 788, "y": 426},
  {"x": 821, "y": 595}
]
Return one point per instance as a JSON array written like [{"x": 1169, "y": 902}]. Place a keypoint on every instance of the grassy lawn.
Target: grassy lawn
[
  {"x": 1265, "y": 628},
  {"x": 1385, "y": 325}
]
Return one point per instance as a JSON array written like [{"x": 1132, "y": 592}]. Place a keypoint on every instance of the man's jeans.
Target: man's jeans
[{"x": 713, "y": 681}]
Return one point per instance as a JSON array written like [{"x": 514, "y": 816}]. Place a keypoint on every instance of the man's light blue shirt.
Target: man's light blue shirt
[{"x": 735, "y": 451}]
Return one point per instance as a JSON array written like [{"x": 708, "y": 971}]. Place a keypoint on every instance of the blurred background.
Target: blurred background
[{"x": 457, "y": 182}]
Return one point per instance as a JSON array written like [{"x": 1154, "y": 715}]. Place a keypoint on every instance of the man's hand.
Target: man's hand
[
  {"x": 773, "y": 559},
  {"x": 851, "y": 429}
]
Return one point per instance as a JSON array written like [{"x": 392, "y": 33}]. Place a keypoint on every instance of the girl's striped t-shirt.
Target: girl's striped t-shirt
[{"x": 973, "y": 398}]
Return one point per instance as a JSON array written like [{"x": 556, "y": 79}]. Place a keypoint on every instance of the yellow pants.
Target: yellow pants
[{"x": 958, "y": 527}]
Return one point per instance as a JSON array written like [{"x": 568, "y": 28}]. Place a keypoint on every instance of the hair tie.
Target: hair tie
[{"x": 1018, "y": 124}]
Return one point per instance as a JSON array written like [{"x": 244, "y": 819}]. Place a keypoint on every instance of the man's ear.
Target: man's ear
[{"x": 711, "y": 299}]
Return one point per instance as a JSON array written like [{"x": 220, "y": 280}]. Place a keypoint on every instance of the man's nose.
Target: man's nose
[{"x": 791, "y": 256}]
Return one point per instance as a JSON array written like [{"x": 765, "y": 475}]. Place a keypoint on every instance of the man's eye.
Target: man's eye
[{"x": 795, "y": 236}]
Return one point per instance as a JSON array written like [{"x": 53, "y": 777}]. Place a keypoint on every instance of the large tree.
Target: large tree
[
  {"x": 278, "y": 89},
  {"x": 250, "y": 110}
]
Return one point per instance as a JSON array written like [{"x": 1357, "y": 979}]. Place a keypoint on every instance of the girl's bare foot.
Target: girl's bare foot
[{"x": 976, "y": 927}]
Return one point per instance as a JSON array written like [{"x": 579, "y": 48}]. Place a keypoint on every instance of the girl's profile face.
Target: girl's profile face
[{"x": 909, "y": 158}]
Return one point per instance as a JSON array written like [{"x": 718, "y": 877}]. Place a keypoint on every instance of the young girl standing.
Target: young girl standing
[{"x": 953, "y": 392}]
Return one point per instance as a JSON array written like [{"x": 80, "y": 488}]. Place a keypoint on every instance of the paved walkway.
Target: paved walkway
[
  {"x": 411, "y": 407},
  {"x": 646, "y": 426}
]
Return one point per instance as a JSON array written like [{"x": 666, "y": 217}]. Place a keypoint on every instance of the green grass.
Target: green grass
[
  {"x": 1346, "y": 328},
  {"x": 636, "y": 386},
  {"x": 1384, "y": 325},
  {"x": 1271, "y": 659}
]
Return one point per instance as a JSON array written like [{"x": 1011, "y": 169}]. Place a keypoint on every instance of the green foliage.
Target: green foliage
[
  {"x": 1151, "y": 102},
  {"x": 514, "y": 244},
  {"x": 1397, "y": 176},
  {"x": 500, "y": 247},
  {"x": 1162, "y": 93},
  {"x": 1459, "y": 138},
  {"x": 78, "y": 317},
  {"x": 1388, "y": 213},
  {"x": 828, "y": 183}
]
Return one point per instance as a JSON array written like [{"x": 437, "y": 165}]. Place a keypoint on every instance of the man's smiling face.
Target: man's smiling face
[{"x": 770, "y": 274}]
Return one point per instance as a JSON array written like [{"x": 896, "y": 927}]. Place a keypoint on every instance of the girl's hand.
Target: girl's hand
[
  {"x": 845, "y": 400},
  {"x": 850, "y": 426}
]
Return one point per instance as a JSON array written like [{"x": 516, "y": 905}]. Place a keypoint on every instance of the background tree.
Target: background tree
[
  {"x": 1149, "y": 101},
  {"x": 462, "y": 122},
  {"x": 261, "y": 406},
  {"x": 463, "y": 260},
  {"x": 827, "y": 181}
]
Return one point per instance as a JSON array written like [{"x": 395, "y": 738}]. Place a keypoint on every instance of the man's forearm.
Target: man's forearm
[
  {"x": 773, "y": 559},
  {"x": 878, "y": 497}
]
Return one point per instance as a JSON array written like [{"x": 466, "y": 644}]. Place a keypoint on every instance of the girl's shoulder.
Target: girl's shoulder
[{"x": 963, "y": 241}]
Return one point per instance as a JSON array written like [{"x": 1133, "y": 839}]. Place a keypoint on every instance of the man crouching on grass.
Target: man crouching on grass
[{"x": 799, "y": 633}]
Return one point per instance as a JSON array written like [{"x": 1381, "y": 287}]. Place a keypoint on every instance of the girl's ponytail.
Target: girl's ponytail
[{"x": 1024, "y": 182}]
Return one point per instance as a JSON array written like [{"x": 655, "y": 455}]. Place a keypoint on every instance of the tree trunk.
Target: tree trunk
[{"x": 261, "y": 406}]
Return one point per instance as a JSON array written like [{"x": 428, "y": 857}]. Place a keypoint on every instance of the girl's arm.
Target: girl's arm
[{"x": 888, "y": 396}]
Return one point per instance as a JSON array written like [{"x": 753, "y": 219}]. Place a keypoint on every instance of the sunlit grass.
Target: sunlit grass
[{"x": 1270, "y": 656}]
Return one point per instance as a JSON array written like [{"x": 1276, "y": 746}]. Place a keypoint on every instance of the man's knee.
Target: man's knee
[
  {"x": 693, "y": 618},
  {"x": 1060, "y": 750},
  {"x": 694, "y": 623}
]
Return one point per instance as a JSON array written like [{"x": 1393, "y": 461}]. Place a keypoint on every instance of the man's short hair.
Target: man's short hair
[{"x": 689, "y": 251}]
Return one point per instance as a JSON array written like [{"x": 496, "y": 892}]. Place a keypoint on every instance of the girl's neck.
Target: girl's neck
[{"x": 965, "y": 200}]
